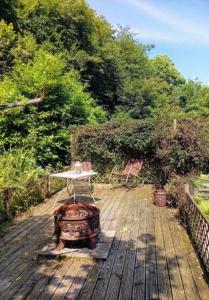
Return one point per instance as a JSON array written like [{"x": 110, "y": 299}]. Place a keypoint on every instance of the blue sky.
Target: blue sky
[{"x": 178, "y": 28}]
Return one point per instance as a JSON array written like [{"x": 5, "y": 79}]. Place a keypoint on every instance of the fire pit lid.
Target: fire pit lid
[{"x": 75, "y": 212}]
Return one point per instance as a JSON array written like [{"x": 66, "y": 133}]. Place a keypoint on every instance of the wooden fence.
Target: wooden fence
[{"x": 198, "y": 229}]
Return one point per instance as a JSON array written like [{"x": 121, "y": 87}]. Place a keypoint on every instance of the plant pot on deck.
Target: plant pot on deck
[{"x": 160, "y": 196}]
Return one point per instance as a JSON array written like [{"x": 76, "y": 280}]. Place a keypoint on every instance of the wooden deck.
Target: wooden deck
[{"x": 151, "y": 256}]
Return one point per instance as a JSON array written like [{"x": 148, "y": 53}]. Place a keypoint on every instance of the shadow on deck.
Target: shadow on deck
[{"x": 151, "y": 256}]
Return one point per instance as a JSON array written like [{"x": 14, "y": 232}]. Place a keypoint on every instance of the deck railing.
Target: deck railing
[{"x": 198, "y": 229}]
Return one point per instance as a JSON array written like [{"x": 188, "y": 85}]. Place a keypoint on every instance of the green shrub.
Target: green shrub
[
  {"x": 112, "y": 143},
  {"x": 20, "y": 174},
  {"x": 203, "y": 205},
  {"x": 166, "y": 152},
  {"x": 65, "y": 102}
]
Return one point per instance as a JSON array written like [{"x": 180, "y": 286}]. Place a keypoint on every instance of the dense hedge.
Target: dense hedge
[
  {"x": 112, "y": 143},
  {"x": 166, "y": 151}
]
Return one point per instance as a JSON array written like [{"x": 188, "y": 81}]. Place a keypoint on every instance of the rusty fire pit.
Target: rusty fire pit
[{"x": 76, "y": 222}]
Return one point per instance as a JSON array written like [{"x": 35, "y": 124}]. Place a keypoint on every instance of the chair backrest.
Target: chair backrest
[
  {"x": 127, "y": 168},
  {"x": 86, "y": 165},
  {"x": 136, "y": 167},
  {"x": 133, "y": 167}
]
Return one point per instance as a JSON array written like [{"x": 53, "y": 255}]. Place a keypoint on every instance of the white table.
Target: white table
[{"x": 74, "y": 177}]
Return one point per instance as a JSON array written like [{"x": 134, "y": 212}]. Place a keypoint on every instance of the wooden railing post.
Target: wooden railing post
[
  {"x": 187, "y": 188},
  {"x": 6, "y": 200}
]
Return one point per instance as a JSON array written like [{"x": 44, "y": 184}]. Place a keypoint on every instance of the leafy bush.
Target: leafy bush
[
  {"x": 176, "y": 191},
  {"x": 46, "y": 125},
  {"x": 165, "y": 151},
  {"x": 19, "y": 174},
  {"x": 203, "y": 205},
  {"x": 181, "y": 151},
  {"x": 7, "y": 38},
  {"x": 112, "y": 143}
]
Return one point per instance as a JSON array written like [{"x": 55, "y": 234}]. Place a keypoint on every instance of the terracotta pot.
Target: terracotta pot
[{"x": 160, "y": 197}]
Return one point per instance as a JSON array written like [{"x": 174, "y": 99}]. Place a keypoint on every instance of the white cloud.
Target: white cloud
[
  {"x": 167, "y": 36},
  {"x": 172, "y": 20},
  {"x": 157, "y": 35}
]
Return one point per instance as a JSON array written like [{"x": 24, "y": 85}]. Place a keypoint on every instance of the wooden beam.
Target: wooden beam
[{"x": 19, "y": 103}]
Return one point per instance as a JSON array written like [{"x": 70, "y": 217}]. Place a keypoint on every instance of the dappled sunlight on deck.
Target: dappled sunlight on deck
[{"x": 151, "y": 256}]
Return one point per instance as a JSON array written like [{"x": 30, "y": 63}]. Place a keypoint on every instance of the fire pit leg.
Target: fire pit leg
[
  {"x": 92, "y": 243},
  {"x": 60, "y": 245}
]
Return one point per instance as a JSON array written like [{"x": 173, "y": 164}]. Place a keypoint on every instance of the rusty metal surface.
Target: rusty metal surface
[{"x": 76, "y": 222}]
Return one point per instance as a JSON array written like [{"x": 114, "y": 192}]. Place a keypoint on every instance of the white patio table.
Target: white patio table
[{"x": 74, "y": 177}]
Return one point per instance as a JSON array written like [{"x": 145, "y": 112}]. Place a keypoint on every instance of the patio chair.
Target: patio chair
[{"x": 131, "y": 170}]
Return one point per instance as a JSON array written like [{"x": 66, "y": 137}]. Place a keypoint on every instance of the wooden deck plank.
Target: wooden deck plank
[
  {"x": 25, "y": 266},
  {"x": 22, "y": 229},
  {"x": 198, "y": 274},
  {"x": 91, "y": 280},
  {"x": 164, "y": 286},
  {"x": 37, "y": 277},
  {"x": 172, "y": 261},
  {"x": 15, "y": 230},
  {"x": 19, "y": 282},
  {"x": 116, "y": 276},
  {"x": 66, "y": 282},
  {"x": 128, "y": 271},
  {"x": 189, "y": 284},
  {"x": 44, "y": 278},
  {"x": 138, "y": 292},
  {"x": 60, "y": 290},
  {"x": 104, "y": 276},
  {"x": 37, "y": 211},
  {"x": 78, "y": 282},
  {"x": 26, "y": 239},
  {"x": 68, "y": 277},
  {"x": 56, "y": 279},
  {"x": 151, "y": 256}
]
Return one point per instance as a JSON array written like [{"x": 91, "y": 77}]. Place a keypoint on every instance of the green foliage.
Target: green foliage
[
  {"x": 180, "y": 151},
  {"x": 9, "y": 91},
  {"x": 112, "y": 143},
  {"x": 7, "y": 11},
  {"x": 85, "y": 72},
  {"x": 38, "y": 74},
  {"x": 63, "y": 23},
  {"x": 17, "y": 168},
  {"x": 175, "y": 189},
  {"x": 203, "y": 205},
  {"x": 163, "y": 68},
  {"x": 25, "y": 48},
  {"x": 46, "y": 126},
  {"x": 20, "y": 174},
  {"x": 194, "y": 98},
  {"x": 114, "y": 76},
  {"x": 7, "y": 38},
  {"x": 166, "y": 152}
]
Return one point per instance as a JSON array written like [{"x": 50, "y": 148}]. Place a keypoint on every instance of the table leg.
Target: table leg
[
  {"x": 90, "y": 189},
  {"x": 74, "y": 190},
  {"x": 68, "y": 187}
]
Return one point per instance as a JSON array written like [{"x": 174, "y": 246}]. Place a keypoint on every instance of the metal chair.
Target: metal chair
[{"x": 131, "y": 170}]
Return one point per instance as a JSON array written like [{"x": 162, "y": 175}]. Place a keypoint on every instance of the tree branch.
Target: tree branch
[{"x": 19, "y": 103}]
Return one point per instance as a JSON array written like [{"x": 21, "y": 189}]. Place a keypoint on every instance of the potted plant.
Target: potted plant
[{"x": 160, "y": 178}]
